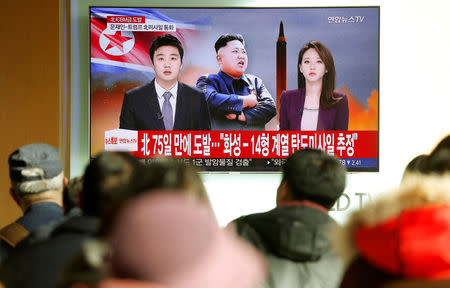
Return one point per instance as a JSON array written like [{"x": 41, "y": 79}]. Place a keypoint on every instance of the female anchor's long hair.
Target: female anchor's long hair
[{"x": 327, "y": 99}]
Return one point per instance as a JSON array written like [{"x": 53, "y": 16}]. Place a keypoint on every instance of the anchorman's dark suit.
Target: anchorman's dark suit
[{"x": 141, "y": 111}]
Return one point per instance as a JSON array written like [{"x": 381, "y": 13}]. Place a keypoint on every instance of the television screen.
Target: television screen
[{"x": 254, "y": 84}]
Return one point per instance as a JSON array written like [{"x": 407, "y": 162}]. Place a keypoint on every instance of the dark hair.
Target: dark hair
[
  {"x": 108, "y": 179},
  {"x": 72, "y": 192},
  {"x": 162, "y": 174},
  {"x": 444, "y": 144},
  {"x": 416, "y": 165},
  {"x": 166, "y": 40},
  {"x": 439, "y": 159},
  {"x": 224, "y": 39},
  {"x": 327, "y": 99},
  {"x": 314, "y": 175},
  {"x": 173, "y": 174}
]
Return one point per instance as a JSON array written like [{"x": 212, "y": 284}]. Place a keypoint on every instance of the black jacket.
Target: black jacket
[
  {"x": 36, "y": 216},
  {"x": 40, "y": 263},
  {"x": 140, "y": 109},
  {"x": 295, "y": 242}
]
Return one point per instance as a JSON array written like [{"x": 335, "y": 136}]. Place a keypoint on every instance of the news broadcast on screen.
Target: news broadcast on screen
[{"x": 236, "y": 89}]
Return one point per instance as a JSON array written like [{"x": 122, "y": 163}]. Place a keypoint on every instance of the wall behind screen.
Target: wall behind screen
[
  {"x": 414, "y": 99},
  {"x": 29, "y": 85}
]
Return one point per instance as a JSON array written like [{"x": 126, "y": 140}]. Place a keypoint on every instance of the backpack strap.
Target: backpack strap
[{"x": 13, "y": 233}]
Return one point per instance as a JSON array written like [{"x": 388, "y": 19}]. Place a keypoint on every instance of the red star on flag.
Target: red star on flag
[{"x": 116, "y": 40}]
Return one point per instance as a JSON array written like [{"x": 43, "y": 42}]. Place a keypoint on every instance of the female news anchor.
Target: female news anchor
[{"x": 314, "y": 105}]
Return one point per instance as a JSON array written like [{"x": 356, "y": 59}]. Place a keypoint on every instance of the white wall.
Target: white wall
[{"x": 414, "y": 103}]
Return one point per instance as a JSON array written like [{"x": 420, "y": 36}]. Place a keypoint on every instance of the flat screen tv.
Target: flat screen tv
[{"x": 277, "y": 122}]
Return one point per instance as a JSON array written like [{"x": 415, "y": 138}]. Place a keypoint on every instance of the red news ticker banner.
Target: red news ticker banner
[{"x": 255, "y": 144}]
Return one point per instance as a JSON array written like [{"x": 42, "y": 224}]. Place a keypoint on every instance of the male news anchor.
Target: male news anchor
[
  {"x": 237, "y": 101},
  {"x": 165, "y": 103}
]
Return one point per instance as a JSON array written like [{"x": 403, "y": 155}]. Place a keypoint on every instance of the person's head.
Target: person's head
[
  {"x": 231, "y": 54},
  {"x": 162, "y": 174},
  {"x": 36, "y": 174},
  {"x": 72, "y": 192},
  {"x": 416, "y": 165},
  {"x": 444, "y": 144},
  {"x": 312, "y": 175},
  {"x": 108, "y": 179},
  {"x": 163, "y": 238},
  {"x": 166, "y": 53},
  {"x": 316, "y": 64},
  {"x": 174, "y": 174},
  {"x": 438, "y": 161},
  {"x": 402, "y": 235}
]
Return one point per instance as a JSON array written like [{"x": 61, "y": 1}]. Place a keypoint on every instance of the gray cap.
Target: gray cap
[{"x": 43, "y": 157}]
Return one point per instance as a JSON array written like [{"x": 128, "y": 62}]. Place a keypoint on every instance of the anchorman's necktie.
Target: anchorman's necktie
[{"x": 167, "y": 111}]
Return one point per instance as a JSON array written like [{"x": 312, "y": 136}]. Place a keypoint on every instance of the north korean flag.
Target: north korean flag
[{"x": 130, "y": 49}]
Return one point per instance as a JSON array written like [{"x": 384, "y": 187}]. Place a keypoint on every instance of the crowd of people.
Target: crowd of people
[{"x": 126, "y": 224}]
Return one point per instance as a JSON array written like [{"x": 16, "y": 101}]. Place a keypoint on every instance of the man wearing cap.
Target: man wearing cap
[
  {"x": 108, "y": 179},
  {"x": 293, "y": 236},
  {"x": 37, "y": 182}
]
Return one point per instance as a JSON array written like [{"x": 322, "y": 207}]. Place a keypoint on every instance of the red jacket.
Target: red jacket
[{"x": 403, "y": 237}]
